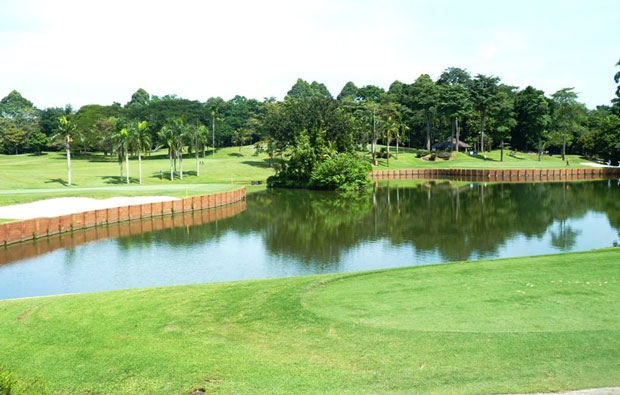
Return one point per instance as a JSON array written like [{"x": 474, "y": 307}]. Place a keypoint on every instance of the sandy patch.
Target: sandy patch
[
  {"x": 595, "y": 164},
  {"x": 69, "y": 205}
]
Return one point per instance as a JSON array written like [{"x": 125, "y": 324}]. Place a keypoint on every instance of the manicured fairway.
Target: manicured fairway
[
  {"x": 461, "y": 160},
  {"x": 15, "y": 196},
  {"x": 504, "y": 326},
  {"x": 95, "y": 170}
]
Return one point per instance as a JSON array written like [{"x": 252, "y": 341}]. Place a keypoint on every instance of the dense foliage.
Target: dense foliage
[{"x": 457, "y": 108}]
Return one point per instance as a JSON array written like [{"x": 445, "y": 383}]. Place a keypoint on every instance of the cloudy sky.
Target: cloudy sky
[{"x": 100, "y": 51}]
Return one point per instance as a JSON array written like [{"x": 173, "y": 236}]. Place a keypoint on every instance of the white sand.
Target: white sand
[
  {"x": 69, "y": 205},
  {"x": 595, "y": 164}
]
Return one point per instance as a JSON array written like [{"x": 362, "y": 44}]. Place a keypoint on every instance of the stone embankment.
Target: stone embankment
[
  {"x": 14, "y": 232},
  {"x": 506, "y": 175}
]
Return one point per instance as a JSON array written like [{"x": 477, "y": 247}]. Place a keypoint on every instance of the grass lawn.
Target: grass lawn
[
  {"x": 407, "y": 160},
  {"x": 505, "y": 326},
  {"x": 15, "y": 196},
  {"x": 94, "y": 170},
  {"x": 25, "y": 178}
]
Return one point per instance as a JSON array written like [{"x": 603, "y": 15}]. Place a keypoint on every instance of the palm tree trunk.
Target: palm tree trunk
[
  {"x": 452, "y": 126},
  {"x": 458, "y": 134},
  {"x": 388, "y": 150},
  {"x": 483, "y": 115},
  {"x": 181, "y": 165},
  {"x": 68, "y": 149},
  {"x": 127, "y": 167},
  {"x": 397, "y": 144},
  {"x": 501, "y": 155},
  {"x": 171, "y": 168},
  {"x": 197, "y": 163},
  {"x": 428, "y": 131},
  {"x": 140, "y": 167},
  {"x": 374, "y": 139},
  {"x": 120, "y": 165}
]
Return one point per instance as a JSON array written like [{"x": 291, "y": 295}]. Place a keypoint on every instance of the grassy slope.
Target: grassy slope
[
  {"x": 25, "y": 178},
  {"x": 514, "y": 325},
  {"x": 29, "y": 177},
  {"x": 49, "y": 170},
  {"x": 462, "y": 160}
]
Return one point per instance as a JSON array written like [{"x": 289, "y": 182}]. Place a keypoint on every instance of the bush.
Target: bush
[{"x": 341, "y": 172}]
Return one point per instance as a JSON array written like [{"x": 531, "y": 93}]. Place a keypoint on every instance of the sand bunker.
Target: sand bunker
[
  {"x": 69, "y": 205},
  {"x": 595, "y": 164}
]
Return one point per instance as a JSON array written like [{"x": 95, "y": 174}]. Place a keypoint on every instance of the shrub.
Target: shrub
[{"x": 340, "y": 172}]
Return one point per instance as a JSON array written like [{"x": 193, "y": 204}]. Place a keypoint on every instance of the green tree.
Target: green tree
[
  {"x": 425, "y": 98},
  {"x": 609, "y": 137},
  {"x": 349, "y": 90},
  {"x": 484, "y": 91},
  {"x": 139, "y": 142},
  {"x": 167, "y": 137},
  {"x": 14, "y": 103},
  {"x": 36, "y": 141},
  {"x": 455, "y": 102},
  {"x": 197, "y": 135},
  {"x": 503, "y": 117},
  {"x": 533, "y": 119},
  {"x": 21, "y": 120},
  {"x": 65, "y": 132},
  {"x": 566, "y": 116}
]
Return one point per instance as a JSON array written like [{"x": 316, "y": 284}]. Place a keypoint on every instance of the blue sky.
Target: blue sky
[{"x": 81, "y": 52}]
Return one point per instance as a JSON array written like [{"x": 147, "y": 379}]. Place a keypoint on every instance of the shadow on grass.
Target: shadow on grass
[
  {"x": 235, "y": 154},
  {"x": 118, "y": 180},
  {"x": 59, "y": 181},
  {"x": 165, "y": 175},
  {"x": 482, "y": 157},
  {"x": 264, "y": 164}
]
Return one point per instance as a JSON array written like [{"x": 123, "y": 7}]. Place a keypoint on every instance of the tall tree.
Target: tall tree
[
  {"x": 140, "y": 142},
  {"x": 65, "y": 131},
  {"x": 503, "y": 116},
  {"x": 167, "y": 137},
  {"x": 425, "y": 98},
  {"x": 532, "y": 109},
  {"x": 484, "y": 91},
  {"x": 565, "y": 117},
  {"x": 197, "y": 135},
  {"x": 349, "y": 90},
  {"x": 455, "y": 100}
]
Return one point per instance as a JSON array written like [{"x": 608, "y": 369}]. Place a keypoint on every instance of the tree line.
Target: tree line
[{"x": 456, "y": 109}]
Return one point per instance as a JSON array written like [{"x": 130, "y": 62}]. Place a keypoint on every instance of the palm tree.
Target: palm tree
[
  {"x": 166, "y": 135},
  {"x": 65, "y": 130},
  {"x": 139, "y": 141},
  {"x": 197, "y": 135},
  {"x": 179, "y": 137},
  {"x": 124, "y": 147}
]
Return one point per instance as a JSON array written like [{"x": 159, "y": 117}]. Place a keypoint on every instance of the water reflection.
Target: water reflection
[{"x": 293, "y": 232}]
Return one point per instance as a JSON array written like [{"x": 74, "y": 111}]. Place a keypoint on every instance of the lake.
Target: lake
[{"x": 280, "y": 233}]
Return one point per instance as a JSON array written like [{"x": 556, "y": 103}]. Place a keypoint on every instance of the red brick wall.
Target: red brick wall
[{"x": 13, "y": 232}]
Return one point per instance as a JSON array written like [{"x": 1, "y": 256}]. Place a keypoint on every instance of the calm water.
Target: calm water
[{"x": 296, "y": 232}]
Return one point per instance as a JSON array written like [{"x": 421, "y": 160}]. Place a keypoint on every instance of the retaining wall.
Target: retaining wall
[
  {"x": 69, "y": 240},
  {"x": 506, "y": 175},
  {"x": 14, "y": 232}
]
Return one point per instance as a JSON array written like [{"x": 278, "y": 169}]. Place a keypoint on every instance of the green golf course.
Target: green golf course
[{"x": 534, "y": 324}]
